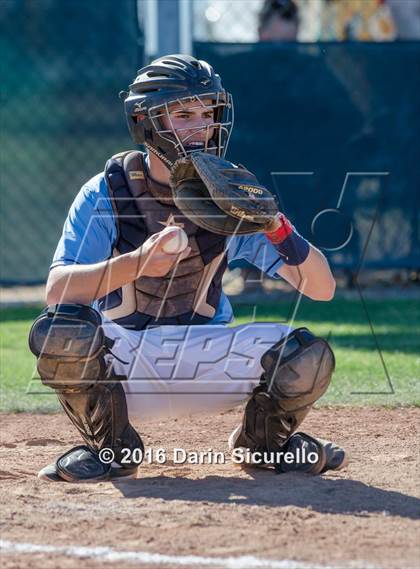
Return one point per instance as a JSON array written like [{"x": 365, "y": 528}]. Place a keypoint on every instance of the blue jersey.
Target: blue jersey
[{"x": 90, "y": 232}]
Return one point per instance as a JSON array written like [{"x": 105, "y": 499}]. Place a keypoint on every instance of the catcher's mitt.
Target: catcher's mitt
[{"x": 221, "y": 197}]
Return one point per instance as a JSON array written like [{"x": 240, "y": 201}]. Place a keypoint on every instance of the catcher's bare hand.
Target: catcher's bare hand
[{"x": 152, "y": 260}]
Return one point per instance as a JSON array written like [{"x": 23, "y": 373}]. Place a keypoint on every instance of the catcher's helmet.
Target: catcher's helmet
[{"x": 177, "y": 79}]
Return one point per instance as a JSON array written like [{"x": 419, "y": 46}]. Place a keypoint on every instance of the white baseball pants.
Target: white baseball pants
[{"x": 178, "y": 370}]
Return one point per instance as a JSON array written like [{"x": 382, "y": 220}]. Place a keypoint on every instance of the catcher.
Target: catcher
[{"x": 135, "y": 327}]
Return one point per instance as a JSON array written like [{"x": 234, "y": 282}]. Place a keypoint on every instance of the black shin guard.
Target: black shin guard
[
  {"x": 297, "y": 372},
  {"x": 70, "y": 345},
  {"x": 100, "y": 416}
]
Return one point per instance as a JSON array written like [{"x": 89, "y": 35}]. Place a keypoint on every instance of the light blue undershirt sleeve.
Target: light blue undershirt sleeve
[
  {"x": 224, "y": 312},
  {"x": 89, "y": 231},
  {"x": 257, "y": 250}
]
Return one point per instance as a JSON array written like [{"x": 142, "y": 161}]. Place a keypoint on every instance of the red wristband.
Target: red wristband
[{"x": 282, "y": 232}]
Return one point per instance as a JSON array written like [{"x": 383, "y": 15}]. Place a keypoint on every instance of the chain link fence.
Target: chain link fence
[
  {"x": 62, "y": 66},
  {"x": 329, "y": 128},
  {"x": 226, "y": 21},
  {"x": 305, "y": 20},
  {"x": 64, "y": 62}
]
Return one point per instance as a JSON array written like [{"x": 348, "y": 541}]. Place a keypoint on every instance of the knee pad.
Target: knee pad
[
  {"x": 70, "y": 345},
  {"x": 297, "y": 370}
]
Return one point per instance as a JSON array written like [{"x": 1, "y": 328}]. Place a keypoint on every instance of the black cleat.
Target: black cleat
[
  {"x": 82, "y": 464},
  {"x": 313, "y": 456}
]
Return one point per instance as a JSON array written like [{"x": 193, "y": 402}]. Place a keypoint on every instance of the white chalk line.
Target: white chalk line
[{"x": 110, "y": 555}]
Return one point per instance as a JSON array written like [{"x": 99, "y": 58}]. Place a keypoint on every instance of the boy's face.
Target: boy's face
[{"x": 191, "y": 121}]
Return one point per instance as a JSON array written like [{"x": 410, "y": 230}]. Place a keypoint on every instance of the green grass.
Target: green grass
[{"x": 360, "y": 377}]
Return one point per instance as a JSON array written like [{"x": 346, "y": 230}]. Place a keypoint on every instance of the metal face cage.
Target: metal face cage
[{"x": 217, "y": 134}]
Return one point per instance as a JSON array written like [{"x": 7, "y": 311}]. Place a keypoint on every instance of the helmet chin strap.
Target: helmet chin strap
[
  {"x": 161, "y": 156},
  {"x": 211, "y": 148}
]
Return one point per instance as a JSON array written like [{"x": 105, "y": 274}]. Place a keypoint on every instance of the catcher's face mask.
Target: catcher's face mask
[{"x": 199, "y": 123}]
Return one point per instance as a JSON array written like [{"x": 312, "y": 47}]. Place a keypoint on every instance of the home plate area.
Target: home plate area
[{"x": 216, "y": 515}]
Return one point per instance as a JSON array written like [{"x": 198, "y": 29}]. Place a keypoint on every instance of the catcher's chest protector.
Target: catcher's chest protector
[{"x": 188, "y": 294}]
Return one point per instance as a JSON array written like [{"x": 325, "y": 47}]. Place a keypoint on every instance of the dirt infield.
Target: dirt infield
[{"x": 365, "y": 516}]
